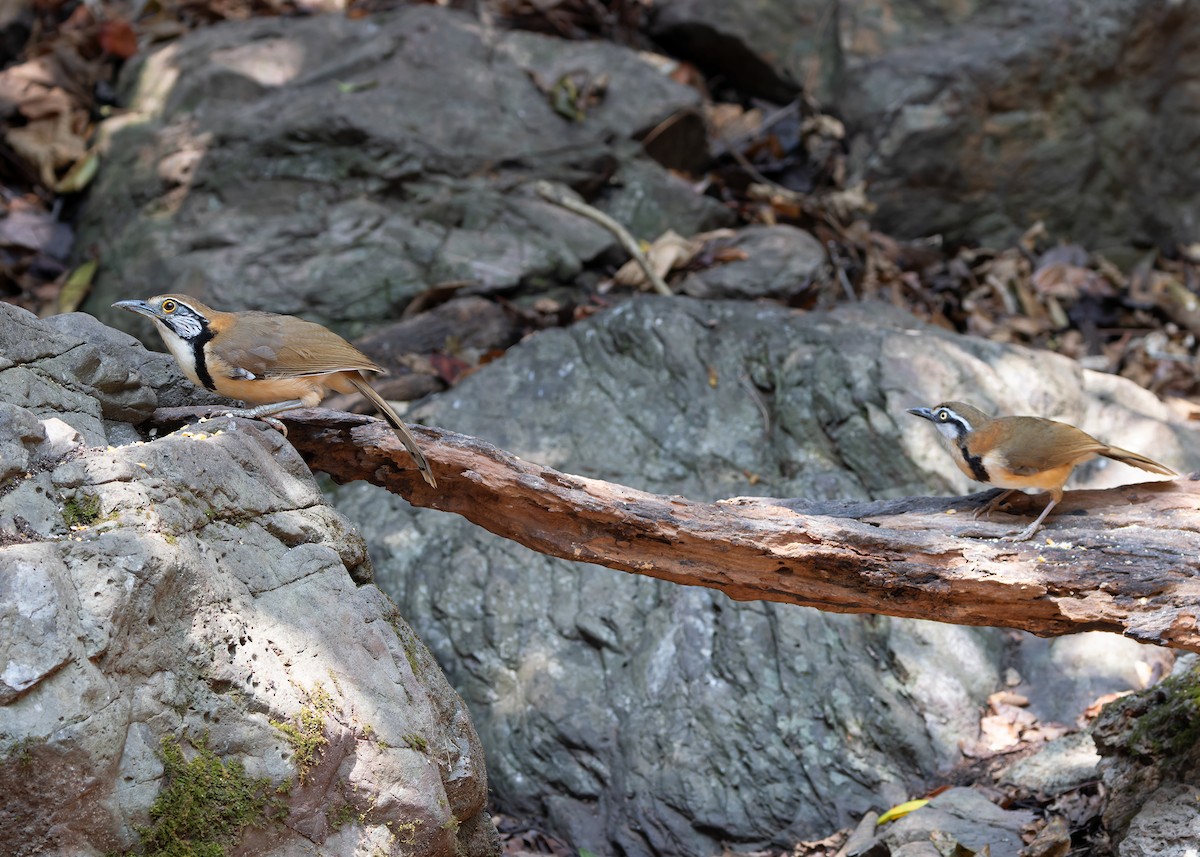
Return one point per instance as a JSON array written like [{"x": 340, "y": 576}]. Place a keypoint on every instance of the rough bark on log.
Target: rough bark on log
[{"x": 1125, "y": 560}]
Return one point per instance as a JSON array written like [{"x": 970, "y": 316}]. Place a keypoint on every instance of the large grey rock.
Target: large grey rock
[
  {"x": 781, "y": 262},
  {"x": 977, "y": 119},
  {"x": 1057, "y": 766},
  {"x": 1063, "y": 676},
  {"x": 61, "y": 374},
  {"x": 399, "y": 153},
  {"x": 641, "y": 718},
  {"x": 197, "y": 589},
  {"x": 987, "y": 132},
  {"x": 1150, "y": 766},
  {"x": 960, "y": 817},
  {"x": 1167, "y": 825}
]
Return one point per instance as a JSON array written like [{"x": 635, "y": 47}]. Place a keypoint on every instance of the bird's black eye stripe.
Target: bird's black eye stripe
[{"x": 168, "y": 306}]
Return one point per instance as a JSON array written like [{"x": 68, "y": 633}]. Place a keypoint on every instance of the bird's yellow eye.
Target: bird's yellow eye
[
  {"x": 168, "y": 306},
  {"x": 943, "y": 416}
]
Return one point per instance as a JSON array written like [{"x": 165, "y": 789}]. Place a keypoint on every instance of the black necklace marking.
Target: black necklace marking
[
  {"x": 197, "y": 342},
  {"x": 978, "y": 471}
]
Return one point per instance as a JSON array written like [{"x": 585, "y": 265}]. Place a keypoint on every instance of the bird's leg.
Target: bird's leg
[
  {"x": 991, "y": 505},
  {"x": 264, "y": 413},
  {"x": 1028, "y": 532}
]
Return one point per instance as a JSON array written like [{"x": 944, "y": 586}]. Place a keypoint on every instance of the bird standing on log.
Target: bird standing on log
[
  {"x": 1029, "y": 454},
  {"x": 276, "y": 362}
]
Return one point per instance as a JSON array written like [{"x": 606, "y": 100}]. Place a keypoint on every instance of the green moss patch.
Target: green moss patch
[
  {"x": 305, "y": 732},
  {"x": 407, "y": 639},
  {"x": 1170, "y": 728},
  {"x": 204, "y": 805},
  {"x": 415, "y": 742},
  {"x": 81, "y": 511}
]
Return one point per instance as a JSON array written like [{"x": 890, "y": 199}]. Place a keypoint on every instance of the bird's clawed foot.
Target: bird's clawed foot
[
  {"x": 249, "y": 414},
  {"x": 1024, "y": 535},
  {"x": 1028, "y": 532},
  {"x": 991, "y": 505},
  {"x": 275, "y": 424}
]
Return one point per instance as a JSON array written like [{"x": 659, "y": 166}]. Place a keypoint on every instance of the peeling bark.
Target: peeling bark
[{"x": 1125, "y": 560}]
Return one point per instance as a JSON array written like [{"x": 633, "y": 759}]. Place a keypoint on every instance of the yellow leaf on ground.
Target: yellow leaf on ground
[
  {"x": 80, "y": 175},
  {"x": 901, "y": 810}
]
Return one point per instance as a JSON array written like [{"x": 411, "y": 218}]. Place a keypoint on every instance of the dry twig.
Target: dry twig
[{"x": 556, "y": 195}]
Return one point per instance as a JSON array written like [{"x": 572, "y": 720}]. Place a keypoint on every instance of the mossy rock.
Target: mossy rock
[{"x": 204, "y": 805}]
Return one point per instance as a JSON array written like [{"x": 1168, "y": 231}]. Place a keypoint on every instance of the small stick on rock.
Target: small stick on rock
[{"x": 558, "y": 196}]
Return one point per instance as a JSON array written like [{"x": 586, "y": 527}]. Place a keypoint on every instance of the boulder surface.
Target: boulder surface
[{"x": 190, "y": 604}]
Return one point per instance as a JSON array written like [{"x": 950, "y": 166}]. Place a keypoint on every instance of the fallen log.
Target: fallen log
[{"x": 1125, "y": 560}]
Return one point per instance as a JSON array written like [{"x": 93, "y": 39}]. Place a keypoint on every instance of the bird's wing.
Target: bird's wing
[
  {"x": 280, "y": 346},
  {"x": 1048, "y": 444}
]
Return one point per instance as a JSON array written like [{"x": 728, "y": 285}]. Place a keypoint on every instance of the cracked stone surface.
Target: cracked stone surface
[{"x": 197, "y": 587}]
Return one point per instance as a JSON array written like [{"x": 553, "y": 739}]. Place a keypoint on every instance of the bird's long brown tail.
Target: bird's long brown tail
[
  {"x": 410, "y": 442},
  {"x": 1136, "y": 459}
]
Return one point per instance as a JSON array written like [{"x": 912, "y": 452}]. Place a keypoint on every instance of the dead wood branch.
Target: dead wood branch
[{"x": 1125, "y": 560}]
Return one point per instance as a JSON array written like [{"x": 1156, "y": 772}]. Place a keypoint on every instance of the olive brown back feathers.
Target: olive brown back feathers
[
  {"x": 282, "y": 346},
  {"x": 277, "y": 362}
]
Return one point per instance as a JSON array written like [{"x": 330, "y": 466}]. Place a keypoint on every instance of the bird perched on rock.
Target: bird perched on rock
[
  {"x": 1029, "y": 454},
  {"x": 276, "y": 362}
]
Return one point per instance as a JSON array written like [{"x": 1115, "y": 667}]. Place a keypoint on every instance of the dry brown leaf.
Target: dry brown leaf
[
  {"x": 31, "y": 228},
  {"x": 1059, "y": 320},
  {"x": 449, "y": 368},
  {"x": 849, "y": 203},
  {"x": 521, "y": 839},
  {"x": 1008, "y": 697},
  {"x": 1164, "y": 291},
  {"x": 1061, "y": 280},
  {"x": 998, "y": 733},
  {"x": 668, "y": 252},
  {"x": 1080, "y": 806},
  {"x": 53, "y": 93},
  {"x": 49, "y": 144},
  {"x": 1033, "y": 234},
  {"x": 33, "y": 88},
  {"x": 724, "y": 255},
  {"x": 1053, "y": 839},
  {"x": 1093, "y": 710},
  {"x": 731, "y": 123},
  {"x": 826, "y": 847},
  {"x": 118, "y": 39},
  {"x": 824, "y": 125}
]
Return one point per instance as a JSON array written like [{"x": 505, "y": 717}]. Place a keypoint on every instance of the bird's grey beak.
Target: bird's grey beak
[
  {"x": 140, "y": 307},
  {"x": 921, "y": 412}
]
